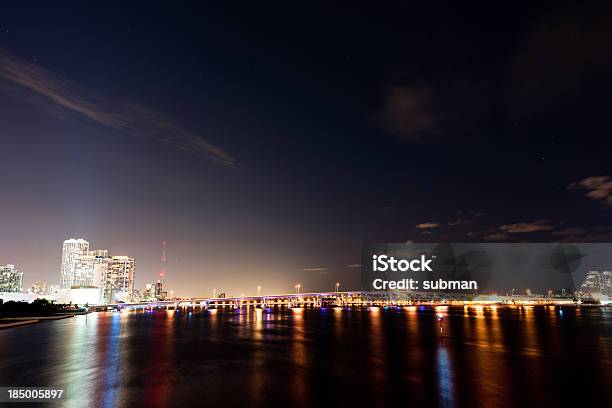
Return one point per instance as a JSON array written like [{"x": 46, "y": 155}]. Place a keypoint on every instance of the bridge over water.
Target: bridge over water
[
  {"x": 334, "y": 299},
  {"x": 290, "y": 300}
]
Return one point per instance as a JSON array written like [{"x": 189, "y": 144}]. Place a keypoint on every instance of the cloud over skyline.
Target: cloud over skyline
[
  {"x": 316, "y": 270},
  {"x": 458, "y": 223},
  {"x": 428, "y": 225},
  {"x": 409, "y": 110},
  {"x": 523, "y": 227},
  {"x": 505, "y": 231},
  {"x": 597, "y": 187},
  {"x": 497, "y": 236},
  {"x": 66, "y": 100}
]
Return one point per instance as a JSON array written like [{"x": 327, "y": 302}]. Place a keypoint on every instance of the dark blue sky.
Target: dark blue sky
[{"x": 266, "y": 144}]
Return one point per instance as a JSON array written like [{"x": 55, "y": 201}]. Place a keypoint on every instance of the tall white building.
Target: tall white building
[
  {"x": 11, "y": 280},
  {"x": 118, "y": 279},
  {"x": 71, "y": 250}
]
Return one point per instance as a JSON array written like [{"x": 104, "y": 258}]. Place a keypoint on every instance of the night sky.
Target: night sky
[{"x": 265, "y": 145}]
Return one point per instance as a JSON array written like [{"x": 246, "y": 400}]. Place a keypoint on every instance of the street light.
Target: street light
[
  {"x": 258, "y": 290},
  {"x": 337, "y": 286},
  {"x": 298, "y": 286},
  {"x": 214, "y": 293}
]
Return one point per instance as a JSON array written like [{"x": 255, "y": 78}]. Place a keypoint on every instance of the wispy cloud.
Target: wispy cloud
[
  {"x": 524, "y": 227},
  {"x": 409, "y": 110},
  {"x": 354, "y": 266},
  {"x": 505, "y": 232},
  {"x": 67, "y": 100},
  {"x": 497, "y": 236},
  {"x": 427, "y": 111},
  {"x": 463, "y": 218},
  {"x": 597, "y": 188},
  {"x": 510, "y": 232},
  {"x": 458, "y": 223},
  {"x": 428, "y": 225},
  {"x": 316, "y": 270},
  {"x": 573, "y": 231},
  {"x": 586, "y": 234}
]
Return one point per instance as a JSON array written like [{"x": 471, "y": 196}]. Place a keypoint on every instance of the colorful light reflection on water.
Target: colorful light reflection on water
[{"x": 484, "y": 356}]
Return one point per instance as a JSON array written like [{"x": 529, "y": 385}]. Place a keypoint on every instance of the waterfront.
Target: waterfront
[{"x": 486, "y": 356}]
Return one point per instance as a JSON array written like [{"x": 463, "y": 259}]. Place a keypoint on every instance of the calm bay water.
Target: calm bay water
[{"x": 309, "y": 357}]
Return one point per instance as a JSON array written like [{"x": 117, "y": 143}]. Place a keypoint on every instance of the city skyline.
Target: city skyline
[{"x": 84, "y": 268}]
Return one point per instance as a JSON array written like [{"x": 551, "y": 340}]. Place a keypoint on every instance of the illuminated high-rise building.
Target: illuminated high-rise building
[
  {"x": 11, "y": 280},
  {"x": 71, "y": 250},
  {"x": 149, "y": 292},
  {"x": 118, "y": 279},
  {"x": 90, "y": 268},
  {"x": 99, "y": 270},
  {"x": 597, "y": 283},
  {"x": 159, "y": 291},
  {"x": 83, "y": 270}
]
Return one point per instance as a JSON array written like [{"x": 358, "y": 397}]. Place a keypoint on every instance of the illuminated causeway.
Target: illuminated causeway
[{"x": 342, "y": 299}]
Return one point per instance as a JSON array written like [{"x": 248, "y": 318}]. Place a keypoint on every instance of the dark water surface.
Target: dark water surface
[{"x": 488, "y": 357}]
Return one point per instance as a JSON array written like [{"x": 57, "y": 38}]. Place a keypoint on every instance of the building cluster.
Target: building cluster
[
  {"x": 597, "y": 285},
  {"x": 87, "y": 276},
  {"x": 93, "y": 276},
  {"x": 151, "y": 292},
  {"x": 562, "y": 293}
]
